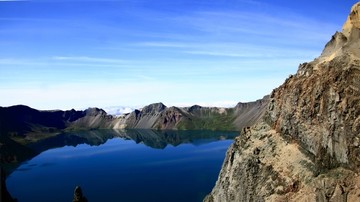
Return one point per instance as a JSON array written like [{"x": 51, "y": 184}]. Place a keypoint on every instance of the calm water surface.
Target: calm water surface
[{"x": 122, "y": 166}]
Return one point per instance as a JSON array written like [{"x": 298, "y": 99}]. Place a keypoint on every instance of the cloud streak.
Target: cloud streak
[
  {"x": 228, "y": 23},
  {"x": 88, "y": 59}
]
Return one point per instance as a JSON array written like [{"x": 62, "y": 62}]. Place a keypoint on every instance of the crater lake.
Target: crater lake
[{"x": 122, "y": 165}]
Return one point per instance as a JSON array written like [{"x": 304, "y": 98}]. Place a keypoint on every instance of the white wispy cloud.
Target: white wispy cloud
[
  {"x": 242, "y": 34},
  {"x": 144, "y": 77},
  {"x": 59, "y": 61},
  {"x": 89, "y": 59},
  {"x": 21, "y": 61},
  {"x": 82, "y": 94},
  {"x": 260, "y": 52},
  {"x": 163, "y": 44},
  {"x": 234, "y": 50},
  {"x": 251, "y": 2},
  {"x": 228, "y": 24},
  {"x": 218, "y": 53}
]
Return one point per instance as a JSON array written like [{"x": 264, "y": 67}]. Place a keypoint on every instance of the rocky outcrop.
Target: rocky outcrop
[
  {"x": 322, "y": 112},
  {"x": 261, "y": 165},
  {"x": 319, "y": 107},
  {"x": 307, "y": 147},
  {"x": 78, "y": 195},
  {"x": 4, "y": 194}
]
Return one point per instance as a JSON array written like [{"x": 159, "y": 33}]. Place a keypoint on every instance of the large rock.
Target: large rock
[
  {"x": 78, "y": 195},
  {"x": 308, "y": 146}
]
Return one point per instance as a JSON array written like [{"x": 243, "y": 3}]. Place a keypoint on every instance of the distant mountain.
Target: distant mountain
[
  {"x": 159, "y": 116},
  {"x": 19, "y": 121},
  {"x": 22, "y": 121},
  {"x": 21, "y": 125}
]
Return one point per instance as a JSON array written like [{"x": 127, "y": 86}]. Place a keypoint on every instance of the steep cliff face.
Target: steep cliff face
[
  {"x": 319, "y": 107},
  {"x": 261, "y": 165},
  {"x": 323, "y": 112},
  {"x": 308, "y": 146}
]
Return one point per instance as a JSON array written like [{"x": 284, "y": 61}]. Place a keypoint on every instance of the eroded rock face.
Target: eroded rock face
[
  {"x": 262, "y": 165},
  {"x": 308, "y": 146},
  {"x": 321, "y": 110},
  {"x": 353, "y": 20},
  {"x": 319, "y": 107},
  {"x": 259, "y": 164}
]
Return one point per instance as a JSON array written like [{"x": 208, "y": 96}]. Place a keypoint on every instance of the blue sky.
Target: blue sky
[{"x": 63, "y": 54}]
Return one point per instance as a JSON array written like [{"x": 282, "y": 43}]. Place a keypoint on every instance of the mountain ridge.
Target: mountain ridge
[
  {"x": 20, "y": 120},
  {"x": 22, "y": 126}
]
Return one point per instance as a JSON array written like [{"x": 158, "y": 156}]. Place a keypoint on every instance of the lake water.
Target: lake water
[{"x": 126, "y": 166}]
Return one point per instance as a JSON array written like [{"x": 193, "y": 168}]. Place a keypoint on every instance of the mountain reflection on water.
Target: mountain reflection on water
[
  {"x": 152, "y": 138},
  {"x": 122, "y": 165}
]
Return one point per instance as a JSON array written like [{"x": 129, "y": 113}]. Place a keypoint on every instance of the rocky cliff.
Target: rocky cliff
[{"x": 307, "y": 147}]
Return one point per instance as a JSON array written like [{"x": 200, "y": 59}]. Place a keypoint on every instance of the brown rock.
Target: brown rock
[{"x": 307, "y": 147}]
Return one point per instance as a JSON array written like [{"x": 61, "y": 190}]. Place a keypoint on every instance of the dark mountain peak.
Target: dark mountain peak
[
  {"x": 73, "y": 115},
  {"x": 19, "y": 109},
  {"x": 94, "y": 111},
  {"x": 194, "y": 108},
  {"x": 153, "y": 108}
]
